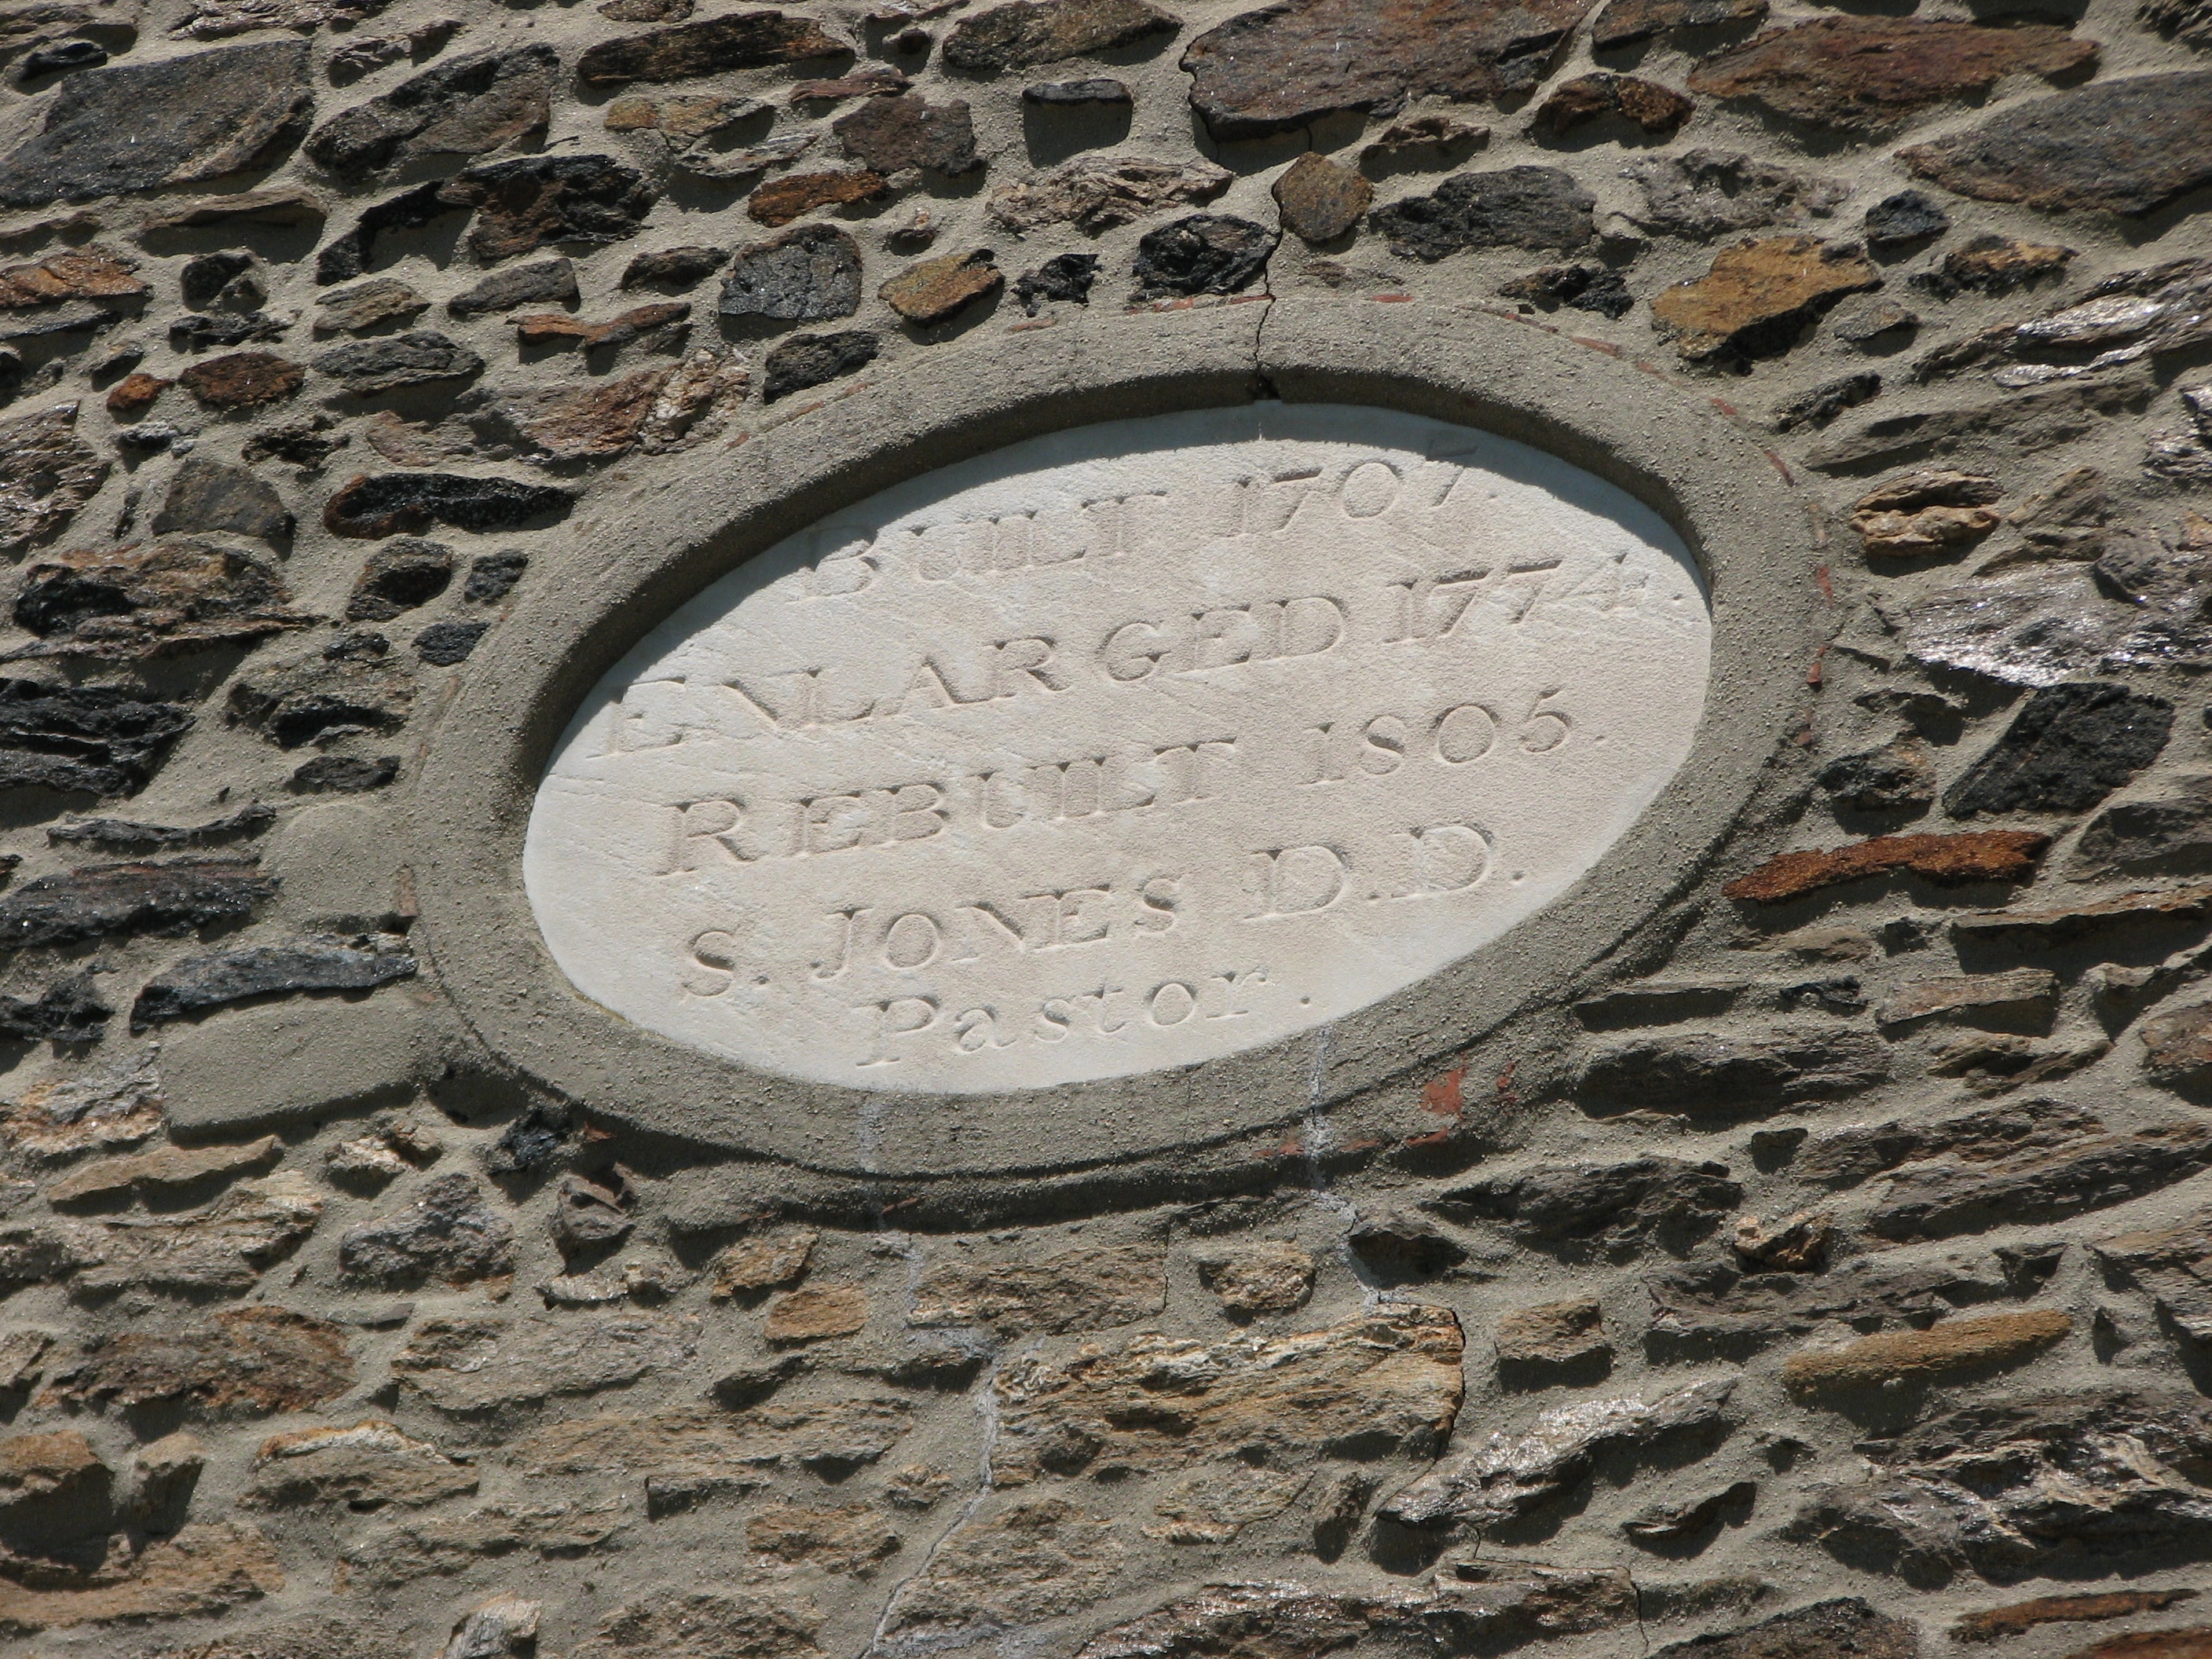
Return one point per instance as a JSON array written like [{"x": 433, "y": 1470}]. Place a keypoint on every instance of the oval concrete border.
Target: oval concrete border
[{"x": 636, "y": 556}]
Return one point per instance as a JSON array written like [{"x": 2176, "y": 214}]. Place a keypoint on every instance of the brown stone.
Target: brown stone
[
  {"x": 243, "y": 379},
  {"x": 50, "y": 1485},
  {"x": 156, "y": 600},
  {"x": 1823, "y": 1630},
  {"x": 448, "y": 1545},
  {"x": 761, "y": 1264},
  {"x": 817, "y": 1314},
  {"x": 1995, "y": 264},
  {"x": 467, "y": 1366},
  {"x": 58, "y": 1120},
  {"x": 2178, "y": 1047},
  {"x": 2125, "y": 146},
  {"x": 701, "y": 1625},
  {"x": 1073, "y": 1291},
  {"x": 852, "y": 1538},
  {"x": 1797, "y": 1244},
  {"x": 2021, "y": 1617},
  {"x": 1319, "y": 200},
  {"x": 1623, "y": 22},
  {"x": 1948, "y": 860},
  {"x": 2175, "y": 1266},
  {"x": 874, "y": 80},
  {"x": 937, "y": 290},
  {"x": 690, "y": 1453},
  {"x": 1864, "y": 74},
  {"x": 204, "y": 1570},
  {"x": 1935, "y": 1199},
  {"x": 1658, "y": 110},
  {"x": 1287, "y": 65},
  {"x": 160, "y": 1171},
  {"x": 1434, "y": 139},
  {"x": 1096, "y": 194},
  {"x": 243, "y": 1361},
  {"x": 742, "y": 40},
  {"x": 1759, "y": 297},
  {"x": 781, "y": 200},
  {"x": 1007, "y": 1568},
  {"x": 1554, "y": 1334},
  {"x": 2059, "y": 924},
  {"x": 220, "y": 1250},
  {"x": 134, "y": 394},
  {"x": 891, "y": 135},
  {"x": 1933, "y": 511},
  {"x": 1389, "y": 1376},
  {"x": 1031, "y": 32},
  {"x": 46, "y": 473},
  {"x": 364, "y": 1467},
  {"x": 2024, "y": 999},
  {"x": 1975, "y": 1346},
  {"x": 1266, "y": 1276},
  {"x": 595, "y": 420},
  {"x": 91, "y": 272},
  {"x": 281, "y": 207},
  {"x": 557, "y": 328}
]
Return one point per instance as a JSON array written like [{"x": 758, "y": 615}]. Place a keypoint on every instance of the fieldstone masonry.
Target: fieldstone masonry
[{"x": 1105, "y": 830}]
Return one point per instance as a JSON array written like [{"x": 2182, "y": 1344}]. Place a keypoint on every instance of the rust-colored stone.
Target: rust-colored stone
[
  {"x": 817, "y": 1313},
  {"x": 203, "y": 1570},
  {"x": 1319, "y": 200},
  {"x": 1285, "y": 66},
  {"x": 243, "y": 379},
  {"x": 2021, "y": 1617},
  {"x": 1862, "y": 73},
  {"x": 2194, "y": 1642},
  {"x": 556, "y": 328},
  {"x": 85, "y": 273},
  {"x": 937, "y": 290},
  {"x": 781, "y": 200},
  {"x": 135, "y": 394},
  {"x": 1989, "y": 1342},
  {"x": 243, "y": 1361},
  {"x": 1948, "y": 860},
  {"x": 1658, "y": 110},
  {"x": 1759, "y": 297}
]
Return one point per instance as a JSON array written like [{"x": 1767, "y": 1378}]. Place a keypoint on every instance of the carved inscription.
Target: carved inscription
[{"x": 1120, "y": 749}]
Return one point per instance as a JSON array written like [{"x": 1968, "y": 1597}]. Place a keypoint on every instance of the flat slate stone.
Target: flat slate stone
[
  {"x": 744, "y": 39},
  {"x": 404, "y": 503},
  {"x": 418, "y": 359},
  {"x": 938, "y": 290},
  {"x": 46, "y": 473},
  {"x": 525, "y": 203},
  {"x": 890, "y": 134},
  {"x": 1865, "y": 74},
  {"x": 549, "y": 282},
  {"x": 805, "y": 360},
  {"x": 1031, "y": 31},
  {"x": 2070, "y": 747},
  {"x": 1758, "y": 297},
  {"x": 104, "y": 901},
  {"x": 2126, "y": 146},
  {"x": 97, "y": 739},
  {"x": 1287, "y": 65},
  {"x": 1203, "y": 253},
  {"x": 1319, "y": 200},
  {"x": 143, "y": 126},
  {"x": 1514, "y": 207},
  {"x": 199, "y": 983},
  {"x": 1623, "y": 22},
  {"x": 471, "y": 106}
]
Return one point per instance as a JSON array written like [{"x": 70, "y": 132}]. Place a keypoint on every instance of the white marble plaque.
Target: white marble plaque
[{"x": 1120, "y": 749}]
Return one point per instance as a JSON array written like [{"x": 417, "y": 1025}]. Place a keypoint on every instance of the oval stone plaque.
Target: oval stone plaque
[{"x": 1120, "y": 749}]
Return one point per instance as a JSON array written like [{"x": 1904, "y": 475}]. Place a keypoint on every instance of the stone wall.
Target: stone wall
[{"x": 1832, "y": 1274}]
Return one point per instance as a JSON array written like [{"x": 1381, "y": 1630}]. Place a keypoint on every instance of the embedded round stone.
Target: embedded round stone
[{"x": 1122, "y": 749}]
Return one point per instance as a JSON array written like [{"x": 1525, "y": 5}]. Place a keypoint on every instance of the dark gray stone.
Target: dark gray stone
[
  {"x": 744, "y": 39},
  {"x": 492, "y": 577},
  {"x": 132, "y": 127},
  {"x": 587, "y": 1217},
  {"x": 1821, "y": 405},
  {"x": 1843, "y": 1158},
  {"x": 67, "y": 1011},
  {"x": 1825, "y": 1629},
  {"x": 1397, "y": 1246},
  {"x": 530, "y": 1143},
  {"x": 1713, "y": 1310},
  {"x": 207, "y": 496},
  {"x": 96, "y": 739},
  {"x": 548, "y": 282},
  {"x": 469, "y": 105},
  {"x": 343, "y": 774},
  {"x": 306, "y": 966},
  {"x": 62, "y": 57},
  {"x": 1593, "y": 287},
  {"x": 2062, "y": 1485},
  {"x": 1099, "y": 89},
  {"x": 1065, "y": 278},
  {"x": 1707, "y": 1074},
  {"x": 534, "y": 199},
  {"x": 1031, "y": 31},
  {"x": 674, "y": 267},
  {"x": 203, "y": 280},
  {"x": 345, "y": 257},
  {"x": 315, "y": 699},
  {"x": 444, "y": 644},
  {"x": 194, "y": 332},
  {"x": 1664, "y": 1525},
  {"x": 1898, "y": 777},
  {"x": 126, "y": 834},
  {"x": 405, "y": 572},
  {"x": 386, "y": 365},
  {"x": 1942, "y": 1200},
  {"x": 1514, "y": 207},
  {"x": 404, "y": 503},
  {"x": 1201, "y": 253},
  {"x": 2168, "y": 836},
  {"x": 2068, "y": 748},
  {"x": 809, "y": 273},
  {"x": 891, "y": 135},
  {"x": 1608, "y": 1212},
  {"x": 806, "y": 360},
  {"x": 104, "y": 901},
  {"x": 449, "y": 1234}
]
